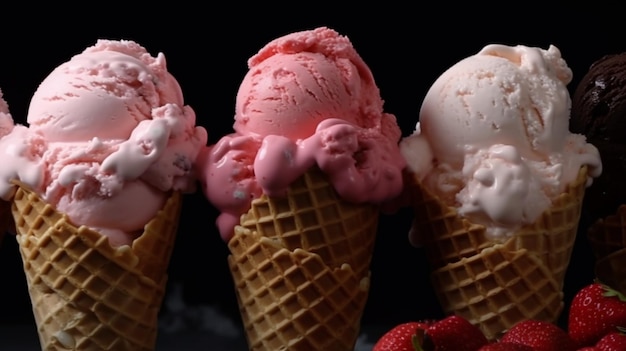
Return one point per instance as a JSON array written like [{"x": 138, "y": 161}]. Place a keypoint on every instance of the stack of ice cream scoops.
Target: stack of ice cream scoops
[{"x": 494, "y": 176}]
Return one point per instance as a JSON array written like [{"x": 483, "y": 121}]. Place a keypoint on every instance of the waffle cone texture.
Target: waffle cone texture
[
  {"x": 607, "y": 238},
  {"x": 300, "y": 265},
  {"x": 497, "y": 284},
  {"x": 85, "y": 294}
]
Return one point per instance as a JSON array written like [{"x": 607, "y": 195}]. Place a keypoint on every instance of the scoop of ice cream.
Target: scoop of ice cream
[
  {"x": 298, "y": 80},
  {"x": 599, "y": 112},
  {"x": 103, "y": 93},
  {"x": 509, "y": 95},
  {"x": 108, "y": 137},
  {"x": 493, "y": 138},
  {"x": 307, "y": 100},
  {"x": 599, "y": 101}
]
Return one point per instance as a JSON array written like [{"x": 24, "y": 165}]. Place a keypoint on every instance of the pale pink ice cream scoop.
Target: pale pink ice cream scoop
[
  {"x": 493, "y": 136},
  {"x": 308, "y": 99},
  {"x": 108, "y": 137}
]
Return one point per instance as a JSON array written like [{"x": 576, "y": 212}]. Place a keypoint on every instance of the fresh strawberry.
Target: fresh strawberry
[
  {"x": 402, "y": 337},
  {"x": 454, "y": 333},
  {"x": 613, "y": 341},
  {"x": 596, "y": 310},
  {"x": 506, "y": 346},
  {"x": 541, "y": 335},
  {"x": 451, "y": 333}
]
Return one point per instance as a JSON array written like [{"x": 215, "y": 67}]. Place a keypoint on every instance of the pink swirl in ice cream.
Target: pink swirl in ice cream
[
  {"x": 493, "y": 136},
  {"x": 108, "y": 137},
  {"x": 308, "y": 99}
]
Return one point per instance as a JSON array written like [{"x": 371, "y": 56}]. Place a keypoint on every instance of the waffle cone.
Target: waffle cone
[
  {"x": 607, "y": 238},
  {"x": 87, "y": 295},
  {"x": 479, "y": 278},
  {"x": 300, "y": 265},
  {"x": 498, "y": 288}
]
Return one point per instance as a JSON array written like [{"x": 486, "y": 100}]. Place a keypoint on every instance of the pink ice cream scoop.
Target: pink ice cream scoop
[
  {"x": 108, "y": 137},
  {"x": 308, "y": 99},
  {"x": 299, "y": 80}
]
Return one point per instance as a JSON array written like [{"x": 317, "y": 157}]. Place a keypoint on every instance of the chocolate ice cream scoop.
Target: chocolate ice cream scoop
[{"x": 599, "y": 112}]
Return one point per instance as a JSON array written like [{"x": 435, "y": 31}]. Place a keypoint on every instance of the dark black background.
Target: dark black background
[{"x": 207, "y": 46}]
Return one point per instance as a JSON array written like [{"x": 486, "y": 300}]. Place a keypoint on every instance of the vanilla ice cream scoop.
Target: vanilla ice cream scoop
[
  {"x": 503, "y": 94},
  {"x": 493, "y": 136}
]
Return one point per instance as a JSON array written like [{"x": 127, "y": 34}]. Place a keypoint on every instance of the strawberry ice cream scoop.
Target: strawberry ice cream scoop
[
  {"x": 102, "y": 93},
  {"x": 308, "y": 100},
  {"x": 108, "y": 137},
  {"x": 299, "y": 80}
]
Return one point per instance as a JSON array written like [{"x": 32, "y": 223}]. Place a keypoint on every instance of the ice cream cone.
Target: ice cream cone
[
  {"x": 86, "y": 294},
  {"x": 607, "y": 237},
  {"x": 496, "y": 284},
  {"x": 498, "y": 288},
  {"x": 300, "y": 265}
]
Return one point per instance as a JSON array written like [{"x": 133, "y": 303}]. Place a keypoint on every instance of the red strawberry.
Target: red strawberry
[
  {"x": 454, "y": 333},
  {"x": 596, "y": 310},
  {"x": 614, "y": 341},
  {"x": 506, "y": 346},
  {"x": 402, "y": 337},
  {"x": 541, "y": 335}
]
